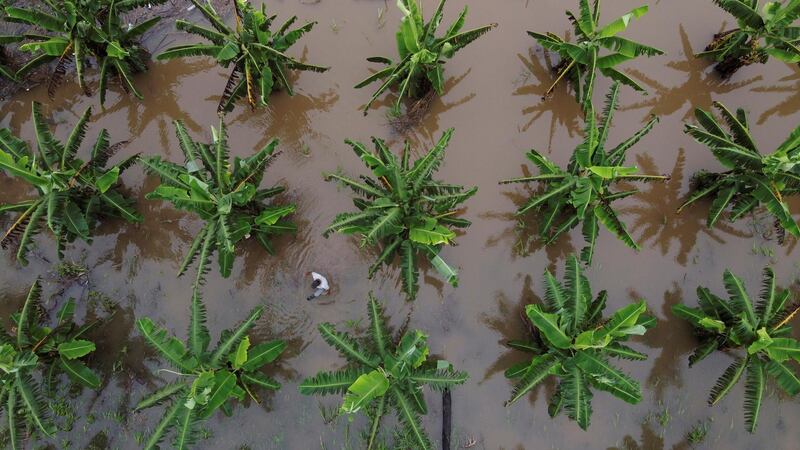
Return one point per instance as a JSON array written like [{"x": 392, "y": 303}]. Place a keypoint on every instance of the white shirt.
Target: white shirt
[{"x": 323, "y": 282}]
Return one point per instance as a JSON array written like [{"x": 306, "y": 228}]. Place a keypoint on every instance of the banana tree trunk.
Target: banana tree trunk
[{"x": 447, "y": 419}]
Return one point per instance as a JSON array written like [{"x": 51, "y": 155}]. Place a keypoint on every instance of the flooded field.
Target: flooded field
[{"x": 494, "y": 101}]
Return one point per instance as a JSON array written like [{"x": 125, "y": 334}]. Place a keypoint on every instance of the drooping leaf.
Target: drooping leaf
[
  {"x": 161, "y": 395},
  {"x": 608, "y": 378},
  {"x": 784, "y": 376},
  {"x": 224, "y": 383},
  {"x": 30, "y": 398},
  {"x": 727, "y": 380},
  {"x": 169, "y": 347},
  {"x": 379, "y": 334},
  {"x": 548, "y": 325},
  {"x": 753, "y": 393},
  {"x": 80, "y": 373},
  {"x": 740, "y": 300},
  {"x": 229, "y": 341},
  {"x": 262, "y": 354},
  {"x": 366, "y": 388},
  {"x": 326, "y": 383},
  {"x": 346, "y": 345},
  {"x": 239, "y": 357},
  {"x": 535, "y": 372},
  {"x": 74, "y": 349},
  {"x": 783, "y": 348},
  {"x": 409, "y": 419},
  {"x": 576, "y": 396}
]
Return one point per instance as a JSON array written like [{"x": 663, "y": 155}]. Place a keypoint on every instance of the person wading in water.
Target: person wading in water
[{"x": 320, "y": 286}]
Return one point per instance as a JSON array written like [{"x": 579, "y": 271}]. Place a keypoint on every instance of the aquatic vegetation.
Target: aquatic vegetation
[
  {"x": 224, "y": 193},
  {"x": 759, "y": 35},
  {"x": 596, "y": 48},
  {"x": 698, "y": 432},
  {"x": 209, "y": 379},
  {"x": 752, "y": 179},
  {"x": 421, "y": 65},
  {"x": 260, "y": 64},
  {"x": 738, "y": 324},
  {"x": 384, "y": 374},
  {"x": 403, "y": 210},
  {"x": 83, "y": 30},
  {"x": 73, "y": 195},
  {"x": 583, "y": 192},
  {"x": 573, "y": 343},
  {"x": 36, "y": 351}
]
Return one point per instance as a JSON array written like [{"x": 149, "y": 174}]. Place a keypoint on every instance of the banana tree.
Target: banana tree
[
  {"x": 207, "y": 379},
  {"x": 760, "y": 331},
  {"x": 420, "y": 67},
  {"x": 226, "y": 195},
  {"x": 73, "y": 195},
  {"x": 403, "y": 210},
  {"x": 596, "y": 48},
  {"x": 260, "y": 64},
  {"x": 35, "y": 348},
  {"x": 752, "y": 178},
  {"x": 759, "y": 35},
  {"x": 583, "y": 192},
  {"x": 573, "y": 343},
  {"x": 383, "y": 375},
  {"x": 81, "y": 31}
]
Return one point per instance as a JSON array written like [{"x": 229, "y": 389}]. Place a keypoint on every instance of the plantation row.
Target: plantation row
[{"x": 401, "y": 209}]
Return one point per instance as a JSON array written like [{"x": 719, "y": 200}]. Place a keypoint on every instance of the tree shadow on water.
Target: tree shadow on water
[
  {"x": 523, "y": 231},
  {"x": 700, "y": 87},
  {"x": 675, "y": 338},
  {"x": 162, "y": 106},
  {"x": 564, "y": 112},
  {"x": 656, "y": 220},
  {"x": 790, "y": 103},
  {"x": 511, "y": 323},
  {"x": 650, "y": 440},
  {"x": 287, "y": 117}
]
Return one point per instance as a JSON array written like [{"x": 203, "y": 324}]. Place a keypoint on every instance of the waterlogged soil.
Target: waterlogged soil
[{"x": 493, "y": 99}]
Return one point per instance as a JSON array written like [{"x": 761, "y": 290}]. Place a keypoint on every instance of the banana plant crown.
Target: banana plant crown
[
  {"x": 761, "y": 328},
  {"x": 760, "y": 34},
  {"x": 583, "y": 192},
  {"x": 209, "y": 379},
  {"x": 84, "y": 29},
  {"x": 260, "y": 64},
  {"x": 383, "y": 375},
  {"x": 573, "y": 342},
  {"x": 403, "y": 209},
  {"x": 421, "y": 65},
  {"x": 37, "y": 348},
  {"x": 597, "y": 48},
  {"x": 753, "y": 179},
  {"x": 225, "y": 195},
  {"x": 73, "y": 194}
]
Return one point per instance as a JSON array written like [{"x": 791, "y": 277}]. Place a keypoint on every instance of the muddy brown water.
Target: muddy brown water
[{"x": 494, "y": 102}]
